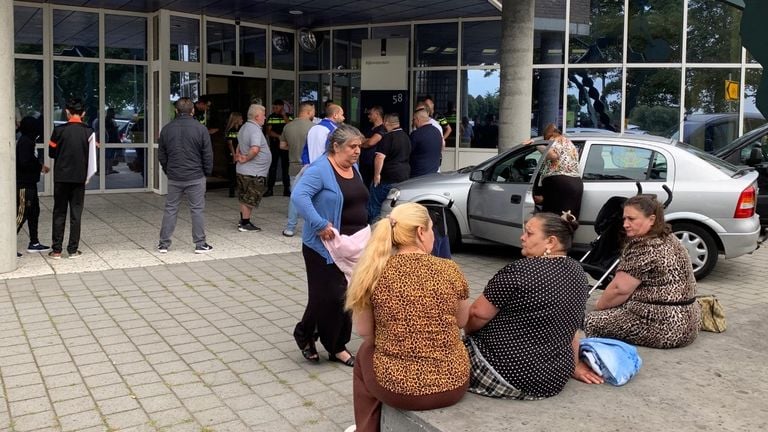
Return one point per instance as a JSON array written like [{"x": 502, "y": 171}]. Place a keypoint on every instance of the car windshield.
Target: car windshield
[{"x": 726, "y": 167}]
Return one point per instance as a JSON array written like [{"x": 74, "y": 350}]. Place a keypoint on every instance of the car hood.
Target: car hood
[{"x": 458, "y": 177}]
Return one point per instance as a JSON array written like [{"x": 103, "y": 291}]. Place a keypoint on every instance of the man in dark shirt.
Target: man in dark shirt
[
  {"x": 28, "y": 168},
  {"x": 426, "y": 146},
  {"x": 273, "y": 129},
  {"x": 391, "y": 164},
  {"x": 376, "y": 117},
  {"x": 69, "y": 147}
]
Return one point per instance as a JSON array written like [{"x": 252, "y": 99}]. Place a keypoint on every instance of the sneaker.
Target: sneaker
[
  {"x": 18, "y": 255},
  {"x": 288, "y": 233},
  {"x": 37, "y": 247},
  {"x": 248, "y": 227},
  {"x": 268, "y": 193},
  {"x": 75, "y": 254},
  {"x": 162, "y": 249},
  {"x": 54, "y": 255},
  {"x": 203, "y": 248}
]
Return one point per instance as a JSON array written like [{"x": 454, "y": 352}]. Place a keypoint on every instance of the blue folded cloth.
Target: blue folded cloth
[{"x": 617, "y": 362}]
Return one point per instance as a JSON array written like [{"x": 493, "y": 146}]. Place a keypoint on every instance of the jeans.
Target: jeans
[
  {"x": 377, "y": 196},
  {"x": 293, "y": 214},
  {"x": 194, "y": 190}
]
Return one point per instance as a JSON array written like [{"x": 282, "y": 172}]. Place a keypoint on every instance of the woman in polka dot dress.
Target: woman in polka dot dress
[{"x": 522, "y": 329}]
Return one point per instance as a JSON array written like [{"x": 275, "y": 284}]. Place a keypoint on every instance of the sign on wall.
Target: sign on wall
[{"x": 385, "y": 64}]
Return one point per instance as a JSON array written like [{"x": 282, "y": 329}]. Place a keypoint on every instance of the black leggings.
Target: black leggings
[
  {"x": 324, "y": 316},
  {"x": 28, "y": 210},
  {"x": 562, "y": 193}
]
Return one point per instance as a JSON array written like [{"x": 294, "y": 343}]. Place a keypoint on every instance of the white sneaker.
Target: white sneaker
[
  {"x": 288, "y": 233},
  {"x": 351, "y": 428}
]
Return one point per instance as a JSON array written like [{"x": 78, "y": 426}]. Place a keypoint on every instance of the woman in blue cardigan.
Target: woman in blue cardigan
[{"x": 330, "y": 195}]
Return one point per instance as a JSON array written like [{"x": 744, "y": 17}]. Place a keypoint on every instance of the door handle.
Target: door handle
[{"x": 516, "y": 199}]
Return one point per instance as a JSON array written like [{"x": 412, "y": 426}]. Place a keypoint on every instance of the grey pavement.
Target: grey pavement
[{"x": 126, "y": 339}]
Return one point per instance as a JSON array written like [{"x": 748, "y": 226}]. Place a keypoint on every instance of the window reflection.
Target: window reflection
[
  {"x": 315, "y": 54},
  {"x": 655, "y": 31},
  {"x": 125, "y": 95},
  {"x": 347, "y": 48},
  {"x": 220, "y": 41},
  {"x": 713, "y": 32},
  {"x": 653, "y": 100},
  {"x": 282, "y": 50},
  {"x": 594, "y": 99},
  {"x": 29, "y": 92},
  {"x": 437, "y": 44},
  {"x": 547, "y": 99},
  {"x": 711, "y": 121},
  {"x": 125, "y": 170},
  {"x": 253, "y": 47},
  {"x": 752, "y": 116},
  {"x": 597, "y": 32},
  {"x": 346, "y": 92},
  {"x": 185, "y": 39},
  {"x": 28, "y": 30},
  {"x": 125, "y": 37},
  {"x": 549, "y": 31},
  {"x": 481, "y": 43},
  {"x": 75, "y": 34},
  {"x": 283, "y": 89},
  {"x": 315, "y": 87},
  {"x": 478, "y": 125}
]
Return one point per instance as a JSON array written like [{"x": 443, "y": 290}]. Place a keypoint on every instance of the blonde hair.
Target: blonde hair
[
  {"x": 234, "y": 117},
  {"x": 397, "y": 230}
]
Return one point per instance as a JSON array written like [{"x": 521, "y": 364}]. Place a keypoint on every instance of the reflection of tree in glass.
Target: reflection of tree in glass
[
  {"x": 713, "y": 32},
  {"x": 81, "y": 80},
  {"x": 655, "y": 31},
  {"x": 653, "y": 96},
  {"x": 603, "y": 44}
]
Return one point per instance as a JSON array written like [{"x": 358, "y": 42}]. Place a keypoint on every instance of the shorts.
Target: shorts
[{"x": 250, "y": 189}]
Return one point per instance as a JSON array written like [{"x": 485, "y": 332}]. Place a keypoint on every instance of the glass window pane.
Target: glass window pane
[
  {"x": 75, "y": 34},
  {"x": 547, "y": 99},
  {"x": 315, "y": 87},
  {"x": 437, "y": 45},
  {"x": 596, "y": 32},
  {"x": 549, "y": 33},
  {"x": 752, "y": 116},
  {"x": 441, "y": 87},
  {"x": 653, "y": 100},
  {"x": 125, "y": 93},
  {"x": 594, "y": 99},
  {"x": 282, "y": 50},
  {"x": 126, "y": 169},
  {"x": 347, "y": 48},
  {"x": 402, "y": 31},
  {"x": 28, "y": 30},
  {"x": 346, "y": 92},
  {"x": 711, "y": 121},
  {"x": 29, "y": 92},
  {"x": 315, "y": 54},
  {"x": 184, "y": 84},
  {"x": 283, "y": 90},
  {"x": 126, "y": 37},
  {"x": 655, "y": 31},
  {"x": 185, "y": 39},
  {"x": 253, "y": 47},
  {"x": 713, "y": 32},
  {"x": 220, "y": 39},
  {"x": 480, "y": 108},
  {"x": 481, "y": 43}
]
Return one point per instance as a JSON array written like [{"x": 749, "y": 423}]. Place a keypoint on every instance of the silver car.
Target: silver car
[{"x": 712, "y": 211}]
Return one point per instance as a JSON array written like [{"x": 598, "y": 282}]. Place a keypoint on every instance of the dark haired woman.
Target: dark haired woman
[
  {"x": 651, "y": 300},
  {"x": 521, "y": 330},
  {"x": 559, "y": 187}
]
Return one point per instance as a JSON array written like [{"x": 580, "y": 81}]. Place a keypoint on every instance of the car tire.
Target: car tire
[
  {"x": 701, "y": 247},
  {"x": 452, "y": 225}
]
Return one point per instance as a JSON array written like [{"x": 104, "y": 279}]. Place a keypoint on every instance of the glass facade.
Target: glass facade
[{"x": 598, "y": 65}]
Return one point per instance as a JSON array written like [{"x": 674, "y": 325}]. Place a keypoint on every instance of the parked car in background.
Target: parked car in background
[
  {"x": 712, "y": 211},
  {"x": 751, "y": 149},
  {"x": 712, "y": 132}
]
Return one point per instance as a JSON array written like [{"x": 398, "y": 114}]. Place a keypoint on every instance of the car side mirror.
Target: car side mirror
[
  {"x": 477, "y": 176},
  {"x": 755, "y": 156}
]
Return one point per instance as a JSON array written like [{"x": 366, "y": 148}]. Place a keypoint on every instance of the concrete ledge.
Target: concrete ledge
[{"x": 718, "y": 383}]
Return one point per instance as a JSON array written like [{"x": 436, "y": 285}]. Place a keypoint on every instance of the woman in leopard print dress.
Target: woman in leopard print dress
[{"x": 651, "y": 301}]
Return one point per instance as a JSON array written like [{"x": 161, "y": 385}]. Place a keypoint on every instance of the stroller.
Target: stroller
[
  {"x": 601, "y": 260},
  {"x": 442, "y": 246}
]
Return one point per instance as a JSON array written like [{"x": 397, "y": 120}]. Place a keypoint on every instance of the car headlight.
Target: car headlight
[{"x": 393, "y": 194}]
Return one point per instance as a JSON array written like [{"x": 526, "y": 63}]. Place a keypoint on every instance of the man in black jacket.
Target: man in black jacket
[
  {"x": 28, "y": 168},
  {"x": 185, "y": 153},
  {"x": 69, "y": 147}
]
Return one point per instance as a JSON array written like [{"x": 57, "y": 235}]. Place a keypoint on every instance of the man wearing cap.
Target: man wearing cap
[
  {"x": 70, "y": 147},
  {"x": 274, "y": 128}
]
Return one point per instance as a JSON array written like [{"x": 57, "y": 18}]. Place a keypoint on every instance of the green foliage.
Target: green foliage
[{"x": 656, "y": 120}]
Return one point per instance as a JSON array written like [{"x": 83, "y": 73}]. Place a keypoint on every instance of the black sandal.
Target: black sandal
[
  {"x": 349, "y": 362},
  {"x": 310, "y": 352}
]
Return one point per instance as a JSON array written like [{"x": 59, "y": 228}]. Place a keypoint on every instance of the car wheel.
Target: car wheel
[
  {"x": 452, "y": 226},
  {"x": 701, "y": 247}
]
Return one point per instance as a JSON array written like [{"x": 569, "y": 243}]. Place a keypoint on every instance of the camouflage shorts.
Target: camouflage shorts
[{"x": 250, "y": 189}]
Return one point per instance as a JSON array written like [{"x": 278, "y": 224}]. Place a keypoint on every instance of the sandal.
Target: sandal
[
  {"x": 349, "y": 362},
  {"x": 310, "y": 352}
]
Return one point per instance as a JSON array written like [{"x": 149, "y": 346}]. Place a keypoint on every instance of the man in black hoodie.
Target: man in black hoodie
[
  {"x": 28, "y": 168},
  {"x": 69, "y": 147}
]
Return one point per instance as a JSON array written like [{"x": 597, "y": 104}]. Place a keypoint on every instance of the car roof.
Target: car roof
[
  {"x": 586, "y": 136},
  {"x": 740, "y": 141},
  {"x": 704, "y": 118}
]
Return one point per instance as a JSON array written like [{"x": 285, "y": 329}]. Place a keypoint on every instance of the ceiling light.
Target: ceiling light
[
  {"x": 295, "y": 12},
  {"x": 449, "y": 50},
  {"x": 489, "y": 51},
  {"x": 431, "y": 50}
]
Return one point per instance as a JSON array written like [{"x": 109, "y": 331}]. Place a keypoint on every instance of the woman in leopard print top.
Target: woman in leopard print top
[
  {"x": 651, "y": 301},
  {"x": 409, "y": 307}
]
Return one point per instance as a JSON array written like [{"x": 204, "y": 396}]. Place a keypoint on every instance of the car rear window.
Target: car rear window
[{"x": 724, "y": 166}]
